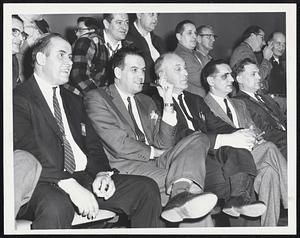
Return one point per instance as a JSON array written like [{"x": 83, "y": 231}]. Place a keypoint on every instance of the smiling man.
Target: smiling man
[
  {"x": 186, "y": 35},
  {"x": 141, "y": 142},
  {"x": 93, "y": 49},
  {"x": 50, "y": 122}
]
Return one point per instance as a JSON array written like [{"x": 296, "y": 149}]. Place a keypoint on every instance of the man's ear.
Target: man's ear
[
  {"x": 178, "y": 36},
  {"x": 210, "y": 81},
  {"x": 40, "y": 58},
  {"x": 117, "y": 72},
  {"x": 138, "y": 15},
  {"x": 106, "y": 24},
  {"x": 238, "y": 79}
]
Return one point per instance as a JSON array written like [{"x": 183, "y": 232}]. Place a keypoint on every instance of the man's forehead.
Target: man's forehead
[
  {"x": 223, "y": 68},
  {"x": 189, "y": 26},
  {"x": 207, "y": 31},
  {"x": 119, "y": 16},
  {"x": 16, "y": 23},
  {"x": 251, "y": 68},
  {"x": 59, "y": 44},
  {"x": 174, "y": 60},
  {"x": 279, "y": 37},
  {"x": 134, "y": 60}
]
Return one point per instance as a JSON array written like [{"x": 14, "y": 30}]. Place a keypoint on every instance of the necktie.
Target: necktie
[
  {"x": 183, "y": 108},
  {"x": 112, "y": 50},
  {"x": 69, "y": 156},
  {"x": 139, "y": 134},
  {"x": 270, "y": 111},
  {"x": 228, "y": 111}
]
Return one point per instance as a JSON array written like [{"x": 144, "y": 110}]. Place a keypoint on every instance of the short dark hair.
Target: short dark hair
[
  {"x": 89, "y": 22},
  {"x": 17, "y": 17},
  {"x": 42, "y": 44},
  {"x": 108, "y": 16},
  {"x": 251, "y": 29},
  {"x": 199, "y": 29},
  {"x": 209, "y": 69},
  {"x": 119, "y": 57},
  {"x": 240, "y": 66},
  {"x": 180, "y": 26}
]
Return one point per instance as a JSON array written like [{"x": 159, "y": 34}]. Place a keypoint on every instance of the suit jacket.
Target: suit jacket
[
  {"x": 244, "y": 51},
  {"x": 113, "y": 124},
  {"x": 193, "y": 67},
  {"x": 139, "y": 42},
  {"x": 36, "y": 131},
  {"x": 261, "y": 117},
  {"x": 203, "y": 119},
  {"x": 277, "y": 77},
  {"x": 243, "y": 115}
]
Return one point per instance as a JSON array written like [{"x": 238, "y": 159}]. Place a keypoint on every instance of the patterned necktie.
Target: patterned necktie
[
  {"x": 228, "y": 111},
  {"x": 270, "y": 111},
  {"x": 111, "y": 49},
  {"x": 183, "y": 108},
  {"x": 69, "y": 156},
  {"x": 138, "y": 132}
]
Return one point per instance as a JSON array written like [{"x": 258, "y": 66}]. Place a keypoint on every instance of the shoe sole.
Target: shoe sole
[
  {"x": 195, "y": 208},
  {"x": 252, "y": 210}
]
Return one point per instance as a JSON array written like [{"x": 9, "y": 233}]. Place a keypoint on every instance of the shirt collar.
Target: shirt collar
[
  {"x": 250, "y": 94},
  {"x": 139, "y": 31},
  {"x": 123, "y": 95},
  {"x": 113, "y": 45}
]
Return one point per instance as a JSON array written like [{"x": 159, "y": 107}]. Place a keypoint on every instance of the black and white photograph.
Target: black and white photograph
[{"x": 149, "y": 118}]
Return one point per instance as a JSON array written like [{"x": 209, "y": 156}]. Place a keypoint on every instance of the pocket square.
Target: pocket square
[
  {"x": 153, "y": 116},
  {"x": 83, "y": 131}
]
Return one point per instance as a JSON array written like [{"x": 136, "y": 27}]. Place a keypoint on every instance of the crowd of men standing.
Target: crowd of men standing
[{"x": 116, "y": 122}]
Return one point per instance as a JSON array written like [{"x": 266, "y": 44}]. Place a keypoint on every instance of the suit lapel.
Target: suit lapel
[
  {"x": 118, "y": 102},
  {"x": 217, "y": 110},
  {"x": 40, "y": 101}
]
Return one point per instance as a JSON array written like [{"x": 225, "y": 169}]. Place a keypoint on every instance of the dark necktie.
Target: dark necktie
[
  {"x": 69, "y": 156},
  {"x": 183, "y": 107},
  {"x": 139, "y": 134},
  {"x": 228, "y": 111}
]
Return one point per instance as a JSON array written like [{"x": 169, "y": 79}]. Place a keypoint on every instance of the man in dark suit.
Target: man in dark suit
[
  {"x": 271, "y": 180},
  {"x": 277, "y": 77},
  {"x": 139, "y": 141},
  {"x": 142, "y": 35},
  {"x": 50, "y": 123},
  {"x": 230, "y": 166},
  {"x": 264, "y": 111}
]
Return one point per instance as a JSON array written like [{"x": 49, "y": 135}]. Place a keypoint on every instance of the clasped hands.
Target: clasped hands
[{"x": 103, "y": 186}]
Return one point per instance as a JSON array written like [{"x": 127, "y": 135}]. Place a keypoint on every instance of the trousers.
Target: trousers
[{"x": 136, "y": 196}]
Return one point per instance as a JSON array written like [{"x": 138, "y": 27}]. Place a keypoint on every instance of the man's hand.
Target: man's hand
[
  {"x": 103, "y": 186},
  {"x": 267, "y": 51},
  {"x": 158, "y": 152},
  {"x": 244, "y": 138},
  {"x": 165, "y": 90},
  {"x": 82, "y": 198}
]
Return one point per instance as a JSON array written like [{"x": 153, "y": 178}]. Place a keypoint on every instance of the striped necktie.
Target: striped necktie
[
  {"x": 69, "y": 156},
  {"x": 228, "y": 111}
]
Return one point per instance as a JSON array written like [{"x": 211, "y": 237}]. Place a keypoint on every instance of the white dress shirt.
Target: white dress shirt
[
  {"x": 190, "y": 124},
  {"x": 220, "y": 101},
  {"x": 154, "y": 53},
  {"x": 47, "y": 91}
]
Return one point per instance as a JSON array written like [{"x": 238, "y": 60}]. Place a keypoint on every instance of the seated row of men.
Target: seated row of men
[{"x": 118, "y": 149}]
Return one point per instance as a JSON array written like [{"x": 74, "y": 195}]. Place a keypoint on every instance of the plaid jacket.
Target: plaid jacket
[{"x": 90, "y": 63}]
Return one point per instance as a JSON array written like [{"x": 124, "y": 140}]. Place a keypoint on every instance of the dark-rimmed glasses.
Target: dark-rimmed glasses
[{"x": 16, "y": 33}]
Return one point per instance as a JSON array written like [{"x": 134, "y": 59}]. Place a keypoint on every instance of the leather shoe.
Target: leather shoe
[
  {"x": 254, "y": 209},
  {"x": 186, "y": 205}
]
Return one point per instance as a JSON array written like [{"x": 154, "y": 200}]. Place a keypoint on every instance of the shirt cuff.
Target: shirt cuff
[
  {"x": 219, "y": 141},
  {"x": 170, "y": 118},
  {"x": 151, "y": 152}
]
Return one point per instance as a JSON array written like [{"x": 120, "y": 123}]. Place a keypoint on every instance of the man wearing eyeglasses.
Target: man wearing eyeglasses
[
  {"x": 187, "y": 39},
  {"x": 253, "y": 40},
  {"x": 93, "y": 49},
  {"x": 205, "y": 42},
  {"x": 17, "y": 41}
]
